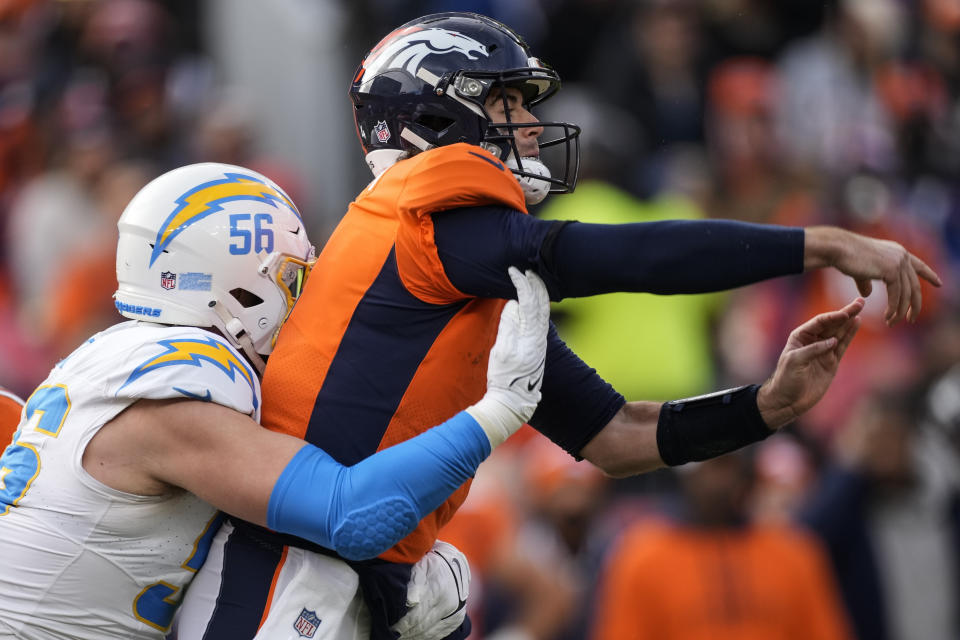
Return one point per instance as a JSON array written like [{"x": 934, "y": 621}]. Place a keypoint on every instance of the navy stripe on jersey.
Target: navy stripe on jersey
[
  {"x": 248, "y": 567},
  {"x": 388, "y": 337}
]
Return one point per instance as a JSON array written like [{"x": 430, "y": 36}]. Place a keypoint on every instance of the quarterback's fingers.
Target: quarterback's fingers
[
  {"x": 924, "y": 271},
  {"x": 916, "y": 298},
  {"x": 905, "y": 295},
  {"x": 893, "y": 298},
  {"x": 813, "y": 350},
  {"x": 854, "y": 307},
  {"x": 846, "y": 336},
  {"x": 819, "y": 327}
]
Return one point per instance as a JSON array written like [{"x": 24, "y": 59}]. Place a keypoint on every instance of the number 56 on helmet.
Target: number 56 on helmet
[{"x": 213, "y": 245}]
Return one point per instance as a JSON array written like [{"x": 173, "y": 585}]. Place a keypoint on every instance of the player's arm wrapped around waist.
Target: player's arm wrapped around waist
[{"x": 363, "y": 510}]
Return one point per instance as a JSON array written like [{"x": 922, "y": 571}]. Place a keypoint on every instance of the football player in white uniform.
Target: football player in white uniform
[{"x": 111, "y": 489}]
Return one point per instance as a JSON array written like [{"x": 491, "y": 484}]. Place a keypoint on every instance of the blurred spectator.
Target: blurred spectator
[
  {"x": 711, "y": 573},
  {"x": 81, "y": 304},
  {"x": 830, "y": 117},
  {"x": 887, "y": 510},
  {"x": 651, "y": 65},
  {"x": 752, "y": 181},
  {"x": 57, "y": 211}
]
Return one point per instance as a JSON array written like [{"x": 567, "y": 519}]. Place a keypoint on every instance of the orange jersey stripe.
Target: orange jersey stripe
[{"x": 273, "y": 586}]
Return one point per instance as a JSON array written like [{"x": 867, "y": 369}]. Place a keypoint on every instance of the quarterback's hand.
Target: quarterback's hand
[
  {"x": 515, "y": 369},
  {"x": 807, "y": 364},
  {"x": 866, "y": 259},
  {"x": 436, "y": 594}
]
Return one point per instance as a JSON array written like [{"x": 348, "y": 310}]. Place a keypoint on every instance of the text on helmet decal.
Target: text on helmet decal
[
  {"x": 195, "y": 353},
  {"x": 208, "y": 198},
  {"x": 188, "y": 281},
  {"x": 407, "y": 51},
  {"x": 194, "y": 281},
  {"x": 137, "y": 309}
]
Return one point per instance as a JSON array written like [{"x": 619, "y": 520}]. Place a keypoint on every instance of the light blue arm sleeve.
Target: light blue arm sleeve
[{"x": 363, "y": 510}]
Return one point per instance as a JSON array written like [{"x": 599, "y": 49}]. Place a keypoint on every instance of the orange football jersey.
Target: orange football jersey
[{"x": 381, "y": 345}]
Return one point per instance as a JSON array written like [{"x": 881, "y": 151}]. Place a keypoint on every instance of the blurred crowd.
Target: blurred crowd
[
  {"x": 96, "y": 98},
  {"x": 844, "y": 112}
]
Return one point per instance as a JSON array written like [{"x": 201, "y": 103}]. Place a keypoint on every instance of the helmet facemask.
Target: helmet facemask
[
  {"x": 554, "y": 169},
  {"x": 426, "y": 85}
]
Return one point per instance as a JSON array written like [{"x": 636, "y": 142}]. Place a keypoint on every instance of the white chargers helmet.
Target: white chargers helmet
[{"x": 213, "y": 245}]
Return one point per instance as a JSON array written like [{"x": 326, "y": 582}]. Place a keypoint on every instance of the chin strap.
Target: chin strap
[
  {"x": 534, "y": 189},
  {"x": 379, "y": 160},
  {"x": 238, "y": 335}
]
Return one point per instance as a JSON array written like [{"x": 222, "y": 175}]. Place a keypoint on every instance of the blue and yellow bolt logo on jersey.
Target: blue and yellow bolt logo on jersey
[
  {"x": 209, "y": 198},
  {"x": 195, "y": 353}
]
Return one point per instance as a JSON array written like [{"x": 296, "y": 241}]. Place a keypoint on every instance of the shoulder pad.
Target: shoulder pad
[
  {"x": 459, "y": 175},
  {"x": 185, "y": 362}
]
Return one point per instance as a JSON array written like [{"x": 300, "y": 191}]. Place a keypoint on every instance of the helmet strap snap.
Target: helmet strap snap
[{"x": 239, "y": 336}]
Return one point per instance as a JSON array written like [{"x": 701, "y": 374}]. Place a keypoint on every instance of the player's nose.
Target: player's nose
[{"x": 526, "y": 117}]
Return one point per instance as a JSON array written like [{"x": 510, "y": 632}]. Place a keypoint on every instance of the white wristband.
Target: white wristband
[{"x": 497, "y": 419}]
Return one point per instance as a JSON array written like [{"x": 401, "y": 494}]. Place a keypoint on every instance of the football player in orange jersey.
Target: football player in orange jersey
[
  {"x": 394, "y": 329},
  {"x": 10, "y": 408}
]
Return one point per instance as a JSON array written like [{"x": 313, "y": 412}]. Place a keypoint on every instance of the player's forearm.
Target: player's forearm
[
  {"x": 363, "y": 510},
  {"x": 628, "y": 444},
  {"x": 647, "y": 435},
  {"x": 676, "y": 256}
]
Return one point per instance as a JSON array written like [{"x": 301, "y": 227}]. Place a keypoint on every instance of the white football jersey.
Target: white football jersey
[{"x": 77, "y": 558}]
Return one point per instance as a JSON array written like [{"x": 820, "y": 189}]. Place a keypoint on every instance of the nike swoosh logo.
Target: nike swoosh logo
[
  {"x": 463, "y": 603},
  {"x": 530, "y": 385},
  {"x": 295, "y": 231},
  {"x": 456, "y": 579}
]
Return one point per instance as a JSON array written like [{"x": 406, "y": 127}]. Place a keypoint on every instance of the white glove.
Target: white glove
[
  {"x": 436, "y": 594},
  {"x": 515, "y": 370}
]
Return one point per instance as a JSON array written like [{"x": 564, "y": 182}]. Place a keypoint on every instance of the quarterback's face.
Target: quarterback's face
[{"x": 515, "y": 112}]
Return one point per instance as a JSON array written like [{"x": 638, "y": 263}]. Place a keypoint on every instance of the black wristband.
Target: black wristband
[{"x": 707, "y": 426}]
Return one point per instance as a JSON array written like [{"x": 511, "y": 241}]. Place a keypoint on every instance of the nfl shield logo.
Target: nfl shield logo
[
  {"x": 306, "y": 625},
  {"x": 382, "y": 131},
  {"x": 168, "y": 280}
]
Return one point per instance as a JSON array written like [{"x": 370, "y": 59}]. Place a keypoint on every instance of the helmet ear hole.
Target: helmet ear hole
[{"x": 246, "y": 298}]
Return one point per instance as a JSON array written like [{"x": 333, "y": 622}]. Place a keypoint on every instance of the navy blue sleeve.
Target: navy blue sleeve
[
  {"x": 576, "y": 403},
  {"x": 476, "y": 245}
]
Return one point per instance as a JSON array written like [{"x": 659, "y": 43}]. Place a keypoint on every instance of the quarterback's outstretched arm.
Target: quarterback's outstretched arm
[
  {"x": 673, "y": 256},
  {"x": 276, "y": 480}
]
